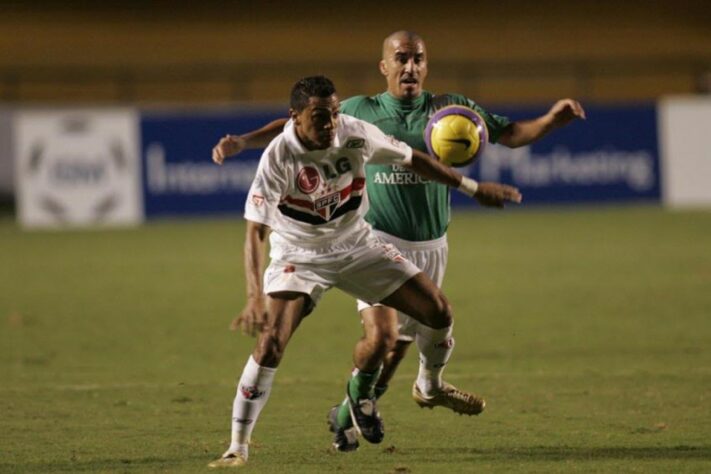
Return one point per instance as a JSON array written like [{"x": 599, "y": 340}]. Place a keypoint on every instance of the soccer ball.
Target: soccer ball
[{"x": 456, "y": 135}]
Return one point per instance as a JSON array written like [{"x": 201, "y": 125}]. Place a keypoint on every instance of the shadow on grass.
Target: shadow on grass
[
  {"x": 118, "y": 464},
  {"x": 570, "y": 453}
]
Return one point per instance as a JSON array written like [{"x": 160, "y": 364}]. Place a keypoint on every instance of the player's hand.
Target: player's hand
[
  {"x": 229, "y": 145},
  {"x": 496, "y": 195},
  {"x": 565, "y": 111},
  {"x": 252, "y": 318}
]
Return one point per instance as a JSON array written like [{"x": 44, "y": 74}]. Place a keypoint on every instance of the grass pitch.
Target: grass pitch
[{"x": 588, "y": 331}]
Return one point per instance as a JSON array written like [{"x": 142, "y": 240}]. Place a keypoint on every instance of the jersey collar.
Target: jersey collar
[
  {"x": 403, "y": 104},
  {"x": 292, "y": 141}
]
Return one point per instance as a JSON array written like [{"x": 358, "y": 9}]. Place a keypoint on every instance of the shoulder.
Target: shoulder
[
  {"x": 355, "y": 100},
  {"x": 443, "y": 100},
  {"x": 351, "y": 125},
  {"x": 351, "y": 105},
  {"x": 348, "y": 120},
  {"x": 277, "y": 146},
  {"x": 277, "y": 152},
  {"x": 356, "y": 133}
]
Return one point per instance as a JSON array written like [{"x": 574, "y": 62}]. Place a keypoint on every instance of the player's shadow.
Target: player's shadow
[
  {"x": 114, "y": 464},
  {"x": 569, "y": 453}
]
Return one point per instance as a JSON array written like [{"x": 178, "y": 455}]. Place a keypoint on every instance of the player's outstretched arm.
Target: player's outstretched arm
[
  {"x": 429, "y": 168},
  {"x": 487, "y": 194},
  {"x": 525, "y": 132},
  {"x": 231, "y": 145},
  {"x": 496, "y": 194},
  {"x": 251, "y": 320}
]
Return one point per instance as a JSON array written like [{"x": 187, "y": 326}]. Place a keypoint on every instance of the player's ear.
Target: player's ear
[
  {"x": 293, "y": 114},
  {"x": 383, "y": 67}
]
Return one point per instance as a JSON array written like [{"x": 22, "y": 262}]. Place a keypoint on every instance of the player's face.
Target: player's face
[
  {"x": 316, "y": 124},
  {"x": 404, "y": 66}
]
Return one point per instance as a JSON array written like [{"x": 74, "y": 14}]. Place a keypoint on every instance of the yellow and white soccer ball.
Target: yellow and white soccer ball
[{"x": 456, "y": 135}]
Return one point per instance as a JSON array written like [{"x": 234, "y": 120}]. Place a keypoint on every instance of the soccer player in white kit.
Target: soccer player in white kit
[{"x": 310, "y": 191}]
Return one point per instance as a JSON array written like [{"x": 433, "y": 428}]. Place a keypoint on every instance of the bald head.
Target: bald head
[
  {"x": 394, "y": 39},
  {"x": 404, "y": 64}
]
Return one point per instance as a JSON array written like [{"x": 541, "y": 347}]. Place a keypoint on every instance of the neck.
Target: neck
[{"x": 308, "y": 144}]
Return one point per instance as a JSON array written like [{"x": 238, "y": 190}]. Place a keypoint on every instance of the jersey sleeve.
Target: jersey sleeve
[
  {"x": 383, "y": 149},
  {"x": 494, "y": 123},
  {"x": 266, "y": 191}
]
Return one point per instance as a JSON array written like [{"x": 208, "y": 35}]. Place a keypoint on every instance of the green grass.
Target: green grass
[{"x": 588, "y": 331}]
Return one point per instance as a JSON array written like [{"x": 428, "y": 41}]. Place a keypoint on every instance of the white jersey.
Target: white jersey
[{"x": 315, "y": 199}]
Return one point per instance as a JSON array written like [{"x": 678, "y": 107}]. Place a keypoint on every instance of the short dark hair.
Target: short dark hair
[{"x": 313, "y": 86}]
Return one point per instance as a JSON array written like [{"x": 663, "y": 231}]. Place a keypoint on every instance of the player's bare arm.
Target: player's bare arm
[
  {"x": 497, "y": 194},
  {"x": 231, "y": 145},
  {"x": 429, "y": 168},
  {"x": 486, "y": 194},
  {"x": 253, "y": 316},
  {"x": 525, "y": 132}
]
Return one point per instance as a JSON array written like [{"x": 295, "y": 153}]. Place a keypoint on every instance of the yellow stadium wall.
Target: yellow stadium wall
[{"x": 505, "y": 51}]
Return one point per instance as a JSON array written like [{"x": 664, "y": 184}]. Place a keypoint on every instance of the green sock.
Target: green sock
[
  {"x": 344, "y": 416},
  {"x": 361, "y": 385}
]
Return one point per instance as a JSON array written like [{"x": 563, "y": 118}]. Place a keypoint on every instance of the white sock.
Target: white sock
[
  {"x": 253, "y": 391},
  {"x": 435, "y": 346}
]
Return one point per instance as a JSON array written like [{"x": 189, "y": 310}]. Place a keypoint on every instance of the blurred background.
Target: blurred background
[
  {"x": 160, "y": 74},
  {"x": 218, "y": 51},
  {"x": 193, "y": 73}
]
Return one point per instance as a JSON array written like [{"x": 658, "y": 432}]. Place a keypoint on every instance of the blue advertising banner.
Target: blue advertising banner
[
  {"x": 610, "y": 157},
  {"x": 179, "y": 177}
]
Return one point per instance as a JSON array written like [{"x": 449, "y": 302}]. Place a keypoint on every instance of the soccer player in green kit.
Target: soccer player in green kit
[{"x": 411, "y": 213}]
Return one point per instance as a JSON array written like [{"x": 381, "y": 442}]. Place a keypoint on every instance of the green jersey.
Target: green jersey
[{"x": 402, "y": 203}]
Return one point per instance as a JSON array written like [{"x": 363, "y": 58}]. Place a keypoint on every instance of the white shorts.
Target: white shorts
[
  {"x": 431, "y": 257},
  {"x": 369, "y": 271}
]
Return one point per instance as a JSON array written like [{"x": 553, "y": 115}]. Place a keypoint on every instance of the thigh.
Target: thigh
[
  {"x": 375, "y": 271},
  {"x": 433, "y": 262},
  {"x": 285, "y": 310},
  {"x": 312, "y": 280},
  {"x": 422, "y": 300}
]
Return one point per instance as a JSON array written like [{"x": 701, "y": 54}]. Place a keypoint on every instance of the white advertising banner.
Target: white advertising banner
[
  {"x": 77, "y": 167},
  {"x": 684, "y": 127}
]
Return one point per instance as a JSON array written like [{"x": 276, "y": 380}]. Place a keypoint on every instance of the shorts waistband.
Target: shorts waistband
[
  {"x": 282, "y": 249},
  {"x": 412, "y": 245}
]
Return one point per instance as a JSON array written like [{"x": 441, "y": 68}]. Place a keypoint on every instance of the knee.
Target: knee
[
  {"x": 442, "y": 316},
  {"x": 383, "y": 339},
  {"x": 389, "y": 338}
]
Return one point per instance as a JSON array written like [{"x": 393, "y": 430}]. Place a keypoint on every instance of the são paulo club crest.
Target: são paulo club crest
[
  {"x": 251, "y": 392},
  {"x": 327, "y": 204},
  {"x": 446, "y": 344},
  {"x": 307, "y": 180}
]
